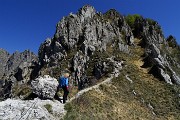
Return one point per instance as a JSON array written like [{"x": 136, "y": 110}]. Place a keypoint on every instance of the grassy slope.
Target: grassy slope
[{"x": 128, "y": 101}]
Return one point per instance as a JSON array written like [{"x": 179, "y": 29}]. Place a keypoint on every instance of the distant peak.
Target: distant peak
[
  {"x": 87, "y": 11},
  {"x": 112, "y": 13},
  {"x": 1, "y": 49},
  {"x": 87, "y": 7}
]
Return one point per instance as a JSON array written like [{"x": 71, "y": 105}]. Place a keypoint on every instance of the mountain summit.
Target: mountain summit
[{"x": 134, "y": 68}]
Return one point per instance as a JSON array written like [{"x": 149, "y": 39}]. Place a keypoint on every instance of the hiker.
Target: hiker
[{"x": 64, "y": 85}]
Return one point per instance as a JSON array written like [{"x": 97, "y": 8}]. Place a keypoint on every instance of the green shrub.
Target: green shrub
[
  {"x": 130, "y": 19},
  {"x": 151, "y": 21}
]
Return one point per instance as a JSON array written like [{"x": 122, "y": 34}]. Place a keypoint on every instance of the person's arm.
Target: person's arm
[{"x": 67, "y": 83}]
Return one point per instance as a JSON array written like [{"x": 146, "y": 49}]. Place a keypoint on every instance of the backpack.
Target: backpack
[{"x": 62, "y": 81}]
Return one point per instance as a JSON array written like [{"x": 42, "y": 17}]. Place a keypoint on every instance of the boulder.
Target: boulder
[{"x": 45, "y": 86}]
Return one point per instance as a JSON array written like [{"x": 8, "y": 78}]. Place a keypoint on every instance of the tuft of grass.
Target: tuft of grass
[{"x": 48, "y": 107}]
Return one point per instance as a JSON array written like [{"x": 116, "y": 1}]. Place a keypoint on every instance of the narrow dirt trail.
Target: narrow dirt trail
[
  {"x": 139, "y": 51},
  {"x": 91, "y": 88}
]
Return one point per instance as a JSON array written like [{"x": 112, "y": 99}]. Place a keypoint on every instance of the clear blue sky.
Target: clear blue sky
[{"x": 25, "y": 24}]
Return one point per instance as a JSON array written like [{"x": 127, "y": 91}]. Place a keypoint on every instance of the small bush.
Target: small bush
[{"x": 130, "y": 19}]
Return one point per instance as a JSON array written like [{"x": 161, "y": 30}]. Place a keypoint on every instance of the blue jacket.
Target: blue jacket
[{"x": 63, "y": 81}]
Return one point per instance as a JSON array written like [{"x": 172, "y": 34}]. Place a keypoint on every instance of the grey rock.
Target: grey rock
[
  {"x": 155, "y": 52},
  {"x": 150, "y": 106},
  {"x": 161, "y": 64},
  {"x": 116, "y": 66},
  {"x": 175, "y": 78},
  {"x": 165, "y": 76},
  {"x": 86, "y": 12},
  {"x": 152, "y": 35},
  {"x": 45, "y": 86},
  {"x": 134, "y": 93},
  {"x": 79, "y": 66},
  {"x": 129, "y": 79},
  {"x": 158, "y": 62},
  {"x": 50, "y": 52},
  {"x": 123, "y": 48}
]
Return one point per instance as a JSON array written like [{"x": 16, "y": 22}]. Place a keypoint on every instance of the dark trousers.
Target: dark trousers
[
  {"x": 56, "y": 95},
  {"x": 66, "y": 92}
]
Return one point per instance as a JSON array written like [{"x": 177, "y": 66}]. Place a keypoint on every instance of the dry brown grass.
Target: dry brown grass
[{"x": 139, "y": 63}]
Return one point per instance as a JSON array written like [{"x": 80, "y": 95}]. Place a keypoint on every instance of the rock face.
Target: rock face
[
  {"x": 158, "y": 50},
  {"x": 45, "y": 86}
]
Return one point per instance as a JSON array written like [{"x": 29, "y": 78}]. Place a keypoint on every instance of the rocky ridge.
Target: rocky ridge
[
  {"x": 17, "y": 66},
  {"x": 90, "y": 46}
]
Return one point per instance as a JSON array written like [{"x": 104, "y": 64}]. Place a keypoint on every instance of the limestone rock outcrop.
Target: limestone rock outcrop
[
  {"x": 79, "y": 36},
  {"x": 16, "y": 109},
  {"x": 45, "y": 86}
]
